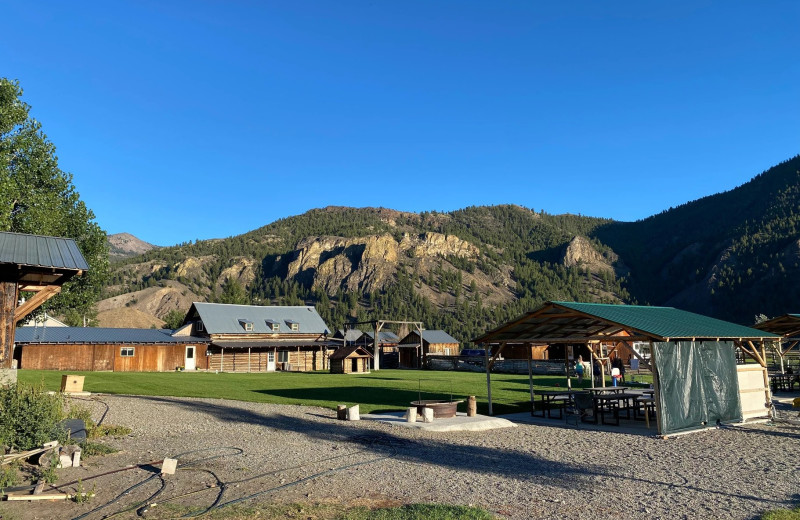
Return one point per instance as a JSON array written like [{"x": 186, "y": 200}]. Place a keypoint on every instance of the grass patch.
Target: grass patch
[
  {"x": 90, "y": 449},
  {"x": 381, "y": 390},
  {"x": 418, "y": 512},
  {"x": 782, "y": 514}
]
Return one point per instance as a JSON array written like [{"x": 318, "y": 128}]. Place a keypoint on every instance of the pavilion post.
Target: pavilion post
[
  {"x": 530, "y": 373},
  {"x": 8, "y": 305}
]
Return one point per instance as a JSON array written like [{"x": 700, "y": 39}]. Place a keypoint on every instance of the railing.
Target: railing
[{"x": 509, "y": 366}]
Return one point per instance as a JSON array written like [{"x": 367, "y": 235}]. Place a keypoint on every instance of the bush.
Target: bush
[{"x": 29, "y": 416}]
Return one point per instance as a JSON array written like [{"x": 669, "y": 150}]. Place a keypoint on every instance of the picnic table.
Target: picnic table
[
  {"x": 548, "y": 397},
  {"x": 613, "y": 402}
]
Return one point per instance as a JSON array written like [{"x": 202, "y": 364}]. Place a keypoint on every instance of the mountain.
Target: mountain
[
  {"x": 125, "y": 245},
  {"x": 730, "y": 255}
]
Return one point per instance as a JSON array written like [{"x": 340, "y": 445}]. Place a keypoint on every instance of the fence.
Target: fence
[{"x": 507, "y": 366}]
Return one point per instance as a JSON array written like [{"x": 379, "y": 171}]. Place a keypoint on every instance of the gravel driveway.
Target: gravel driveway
[{"x": 277, "y": 453}]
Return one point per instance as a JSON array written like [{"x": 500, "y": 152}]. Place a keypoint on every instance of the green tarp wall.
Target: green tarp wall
[{"x": 698, "y": 384}]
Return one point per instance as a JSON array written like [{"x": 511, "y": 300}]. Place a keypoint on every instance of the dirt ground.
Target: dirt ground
[{"x": 240, "y": 454}]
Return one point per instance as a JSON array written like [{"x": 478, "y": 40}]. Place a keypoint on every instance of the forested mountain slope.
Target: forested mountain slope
[{"x": 730, "y": 255}]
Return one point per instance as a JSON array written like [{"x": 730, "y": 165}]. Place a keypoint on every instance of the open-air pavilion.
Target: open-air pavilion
[
  {"x": 696, "y": 381},
  {"x": 788, "y": 328}
]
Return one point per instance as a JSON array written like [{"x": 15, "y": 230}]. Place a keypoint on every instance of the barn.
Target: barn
[
  {"x": 414, "y": 352},
  {"x": 107, "y": 349}
]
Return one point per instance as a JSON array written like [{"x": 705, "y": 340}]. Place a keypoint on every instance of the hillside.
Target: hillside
[
  {"x": 731, "y": 255},
  {"x": 125, "y": 245}
]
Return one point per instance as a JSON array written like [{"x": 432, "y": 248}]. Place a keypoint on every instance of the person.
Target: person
[
  {"x": 617, "y": 363},
  {"x": 579, "y": 369},
  {"x": 597, "y": 373}
]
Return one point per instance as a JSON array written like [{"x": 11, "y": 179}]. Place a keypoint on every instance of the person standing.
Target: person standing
[{"x": 579, "y": 369}]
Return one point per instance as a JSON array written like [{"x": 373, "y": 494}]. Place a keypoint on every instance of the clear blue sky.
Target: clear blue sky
[{"x": 197, "y": 119}]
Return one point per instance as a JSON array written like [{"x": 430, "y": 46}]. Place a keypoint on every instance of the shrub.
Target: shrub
[{"x": 29, "y": 416}]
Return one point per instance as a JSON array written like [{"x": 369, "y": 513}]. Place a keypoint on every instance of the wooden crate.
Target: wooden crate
[{"x": 71, "y": 383}]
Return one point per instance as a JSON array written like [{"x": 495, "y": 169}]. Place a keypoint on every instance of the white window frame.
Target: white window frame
[
  {"x": 127, "y": 351},
  {"x": 295, "y": 326},
  {"x": 283, "y": 356}
]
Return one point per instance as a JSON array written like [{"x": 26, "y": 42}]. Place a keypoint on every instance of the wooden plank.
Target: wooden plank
[
  {"x": 49, "y": 496},
  {"x": 36, "y": 301}
]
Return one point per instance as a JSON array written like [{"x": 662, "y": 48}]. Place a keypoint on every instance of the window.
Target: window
[
  {"x": 446, "y": 351},
  {"x": 200, "y": 325},
  {"x": 246, "y": 324},
  {"x": 274, "y": 326},
  {"x": 283, "y": 356},
  {"x": 293, "y": 325},
  {"x": 126, "y": 351}
]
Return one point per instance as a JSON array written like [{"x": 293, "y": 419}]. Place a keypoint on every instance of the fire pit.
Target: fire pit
[{"x": 441, "y": 409}]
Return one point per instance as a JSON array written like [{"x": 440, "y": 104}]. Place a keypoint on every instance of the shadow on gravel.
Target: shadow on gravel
[{"x": 507, "y": 463}]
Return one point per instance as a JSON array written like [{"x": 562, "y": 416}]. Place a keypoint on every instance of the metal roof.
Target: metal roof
[
  {"x": 384, "y": 336},
  {"x": 573, "y": 322},
  {"x": 84, "y": 335},
  {"x": 268, "y": 343},
  {"x": 344, "y": 352},
  {"x": 350, "y": 335},
  {"x": 787, "y": 325},
  {"x": 223, "y": 318},
  {"x": 41, "y": 251},
  {"x": 434, "y": 336}
]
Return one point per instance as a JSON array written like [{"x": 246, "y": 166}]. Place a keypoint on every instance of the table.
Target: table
[
  {"x": 610, "y": 402},
  {"x": 597, "y": 390},
  {"x": 552, "y": 396}
]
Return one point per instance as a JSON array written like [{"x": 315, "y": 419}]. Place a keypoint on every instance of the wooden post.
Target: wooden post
[
  {"x": 530, "y": 374},
  {"x": 376, "y": 344},
  {"x": 341, "y": 412},
  {"x": 488, "y": 379},
  {"x": 248, "y": 360},
  {"x": 8, "y": 305},
  {"x": 472, "y": 406}
]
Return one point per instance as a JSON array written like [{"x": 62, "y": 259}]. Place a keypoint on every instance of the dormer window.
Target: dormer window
[
  {"x": 199, "y": 325},
  {"x": 274, "y": 326},
  {"x": 247, "y": 325},
  {"x": 293, "y": 325}
]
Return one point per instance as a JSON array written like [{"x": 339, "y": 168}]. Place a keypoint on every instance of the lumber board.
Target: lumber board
[{"x": 48, "y": 496}]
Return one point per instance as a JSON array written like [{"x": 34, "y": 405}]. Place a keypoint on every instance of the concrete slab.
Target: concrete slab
[
  {"x": 630, "y": 427},
  {"x": 454, "y": 424}
]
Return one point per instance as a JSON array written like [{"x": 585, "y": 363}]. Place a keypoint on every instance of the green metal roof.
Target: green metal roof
[
  {"x": 666, "y": 322},
  {"x": 573, "y": 322}
]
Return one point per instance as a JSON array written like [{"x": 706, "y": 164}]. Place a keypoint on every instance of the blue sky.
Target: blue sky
[{"x": 194, "y": 120}]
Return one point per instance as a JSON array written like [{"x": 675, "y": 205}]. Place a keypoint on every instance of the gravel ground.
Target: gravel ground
[{"x": 302, "y": 454}]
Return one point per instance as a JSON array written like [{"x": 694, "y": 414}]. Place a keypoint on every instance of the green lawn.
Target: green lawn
[{"x": 381, "y": 390}]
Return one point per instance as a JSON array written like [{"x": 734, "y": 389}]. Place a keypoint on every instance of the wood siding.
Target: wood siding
[
  {"x": 256, "y": 360},
  {"x": 98, "y": 357}
]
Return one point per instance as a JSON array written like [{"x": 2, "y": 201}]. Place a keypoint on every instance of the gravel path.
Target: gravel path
[{"x": 525, "y": 472}]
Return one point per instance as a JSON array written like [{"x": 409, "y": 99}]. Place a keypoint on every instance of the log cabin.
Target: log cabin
[
  {"x": 434, "y": 343},
  {"x": 252, "y": 338}
]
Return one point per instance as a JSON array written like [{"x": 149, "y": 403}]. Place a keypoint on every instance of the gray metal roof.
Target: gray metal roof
[
  {"x": 100, "y": 335},
  {"x": 384, "y": 336},
  {"x": 41, "y": 251},
  {"x": 223, "y": 318},
  {"x": 434, "y": 336},
  {"x": 350, "y": 335}
]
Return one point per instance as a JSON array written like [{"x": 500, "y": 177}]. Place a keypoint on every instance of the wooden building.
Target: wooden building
[
  {"x": 414, "y": 351},
  {"x": 105, "y": 349},
  {"x": 350, "y": 360},
  {"x": 251, "y": 338}
]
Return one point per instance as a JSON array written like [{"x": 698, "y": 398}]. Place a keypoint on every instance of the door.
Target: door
[
  {"x": 271, "y": 361},
  {"x": 189, "y": 363},
  {"x": 354, "y": 366}
]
